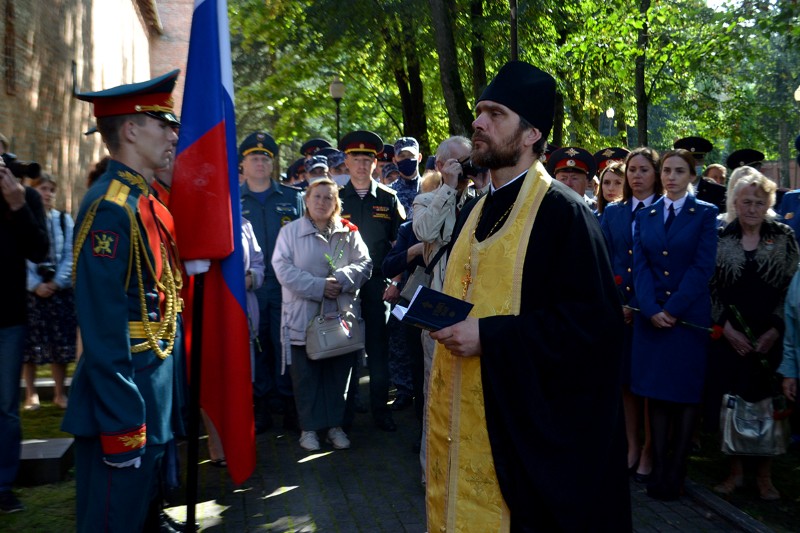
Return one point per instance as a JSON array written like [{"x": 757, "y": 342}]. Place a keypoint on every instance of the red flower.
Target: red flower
[
  {"x": 716, "y": 331},
  {"x": 618, "y": 279},
  {"x": 349, "y": 225}
]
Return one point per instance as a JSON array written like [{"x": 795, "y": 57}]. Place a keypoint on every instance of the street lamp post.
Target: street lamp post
[
  {"x": 336, "y": 90},
  {"x": 610, "y": 116}
]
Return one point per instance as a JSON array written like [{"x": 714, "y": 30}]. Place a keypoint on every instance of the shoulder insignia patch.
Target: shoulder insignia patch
[
  {"x": 104, "y": 244},
  {"x": 117, "y": 192}
]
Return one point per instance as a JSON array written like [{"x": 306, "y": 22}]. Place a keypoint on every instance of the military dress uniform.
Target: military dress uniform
[
  {"x": 378, "y": 215},
  {"x": 268, "y": 212},
  {"x": 127, "y": 280}
]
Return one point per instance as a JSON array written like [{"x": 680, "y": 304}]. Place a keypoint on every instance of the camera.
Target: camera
[
  {"x": 21, "y": 169},
  {"x": 468, "y": 168},
  {"x": 46, "y": 271}
]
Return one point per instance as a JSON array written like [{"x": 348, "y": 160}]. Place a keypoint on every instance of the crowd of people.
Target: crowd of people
[{"x": 598, "y": 282}]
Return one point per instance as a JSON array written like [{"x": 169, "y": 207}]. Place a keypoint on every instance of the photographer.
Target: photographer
[
  {"x": 22, "y": 236},
  {"x": 51, "y": 307}
]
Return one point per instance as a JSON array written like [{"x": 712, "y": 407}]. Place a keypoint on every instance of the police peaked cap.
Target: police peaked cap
[
  {"x": 745, "y": 157},
  {"x": 313, "y": 146},
  {"x": 698, "y": 146},
  {"x": 361, "y": 142},
  {"x": 386, "y": 155},
  {"x": 605, "y": 156},
  {"x": 258, "y": 142},
  {"x": 152, "y": 97},
  {"x": 527, "y": 91},
  {"x": 572, "y": 157}
]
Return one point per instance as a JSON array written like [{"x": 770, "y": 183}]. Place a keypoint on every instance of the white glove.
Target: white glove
[
  {"x": 136, "y": 463},
  {"x": 197, "y": 266}
]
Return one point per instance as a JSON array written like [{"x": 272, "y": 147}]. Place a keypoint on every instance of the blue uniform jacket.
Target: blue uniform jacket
[
  {"x": 124, "y": 398},
  {"x": 616, "y": 224},
  {"x": 283, "y": 205},
  {"x": 672, "y": 270},
  {"x": 789, "y": 211}
]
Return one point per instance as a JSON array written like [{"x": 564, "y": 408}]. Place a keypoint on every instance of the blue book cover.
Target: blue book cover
[{"x": 432, "y": 310}]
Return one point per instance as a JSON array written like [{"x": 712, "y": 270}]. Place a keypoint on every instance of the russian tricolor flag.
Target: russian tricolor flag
[{"x": 205, "y": 205}]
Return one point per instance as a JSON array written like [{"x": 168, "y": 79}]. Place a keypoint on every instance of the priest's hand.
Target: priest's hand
[{"x": 461, "y": 339}]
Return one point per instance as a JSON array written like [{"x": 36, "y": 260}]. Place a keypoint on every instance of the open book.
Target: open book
[{"x": 432, "y": 310}]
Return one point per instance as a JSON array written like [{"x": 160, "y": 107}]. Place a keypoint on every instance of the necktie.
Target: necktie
[
  {"x": 639, "y": 206},
  {"x": 670, "y": 218}
]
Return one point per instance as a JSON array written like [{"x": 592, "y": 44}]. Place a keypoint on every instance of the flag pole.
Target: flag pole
[{"x": 193, "y": 451}]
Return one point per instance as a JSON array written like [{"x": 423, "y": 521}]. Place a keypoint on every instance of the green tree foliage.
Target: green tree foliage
[{"x": 726, "y": 73}]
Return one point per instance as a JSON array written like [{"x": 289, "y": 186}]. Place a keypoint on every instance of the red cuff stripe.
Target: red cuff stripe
[{"x": 127, "y": 441}]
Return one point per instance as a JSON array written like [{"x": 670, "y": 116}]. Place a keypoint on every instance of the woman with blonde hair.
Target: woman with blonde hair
[{"x": 321, "y": 261}]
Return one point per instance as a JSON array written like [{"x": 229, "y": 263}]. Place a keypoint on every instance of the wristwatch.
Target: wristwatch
[{"x": 395, "y": 283}]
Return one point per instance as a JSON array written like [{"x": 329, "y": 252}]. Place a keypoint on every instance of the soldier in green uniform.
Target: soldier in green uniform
[
  {"x": 375, "y": 209},
  {"x": 127, "y": 278}
]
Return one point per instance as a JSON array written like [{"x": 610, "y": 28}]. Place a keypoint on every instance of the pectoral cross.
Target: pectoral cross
[{"x": 467, "y": 279}]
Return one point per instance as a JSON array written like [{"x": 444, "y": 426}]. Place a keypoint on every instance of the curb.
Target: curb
[{"x": 732, "y": 514}]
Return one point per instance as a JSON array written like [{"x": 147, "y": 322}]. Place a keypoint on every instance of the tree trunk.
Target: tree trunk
[
  {"x": 478, "y": 50},
  {"x": 557, "y": 135},
  {"x": 512, "y": 4},
  {"x": 416, "y": 121},
  {"x": 640, "y": 93},
  {"x": 458, "y": 112}
]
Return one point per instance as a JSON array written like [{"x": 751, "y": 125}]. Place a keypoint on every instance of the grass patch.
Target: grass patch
[
  {"x": 44, "y": 423},
  {"x": 711, "y": 467},
  {"x": 47, "y": 508}
]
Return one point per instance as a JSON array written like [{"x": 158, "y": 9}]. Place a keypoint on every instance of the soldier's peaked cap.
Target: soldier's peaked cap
[{"x": 152, "y": 97}]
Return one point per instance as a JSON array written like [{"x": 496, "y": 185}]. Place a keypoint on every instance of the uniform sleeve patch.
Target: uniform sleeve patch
[
  {"x": 125, "y": 441},
  {"x": 104, "y": 244}
]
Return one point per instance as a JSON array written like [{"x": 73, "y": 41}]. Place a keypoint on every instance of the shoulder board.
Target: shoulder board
[
  {"x": 117, "y": 193},
  {"x": 382, "y": 187}
]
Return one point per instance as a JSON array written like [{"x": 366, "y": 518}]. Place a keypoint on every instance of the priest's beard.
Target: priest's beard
[{"x": 504, "y": 154}]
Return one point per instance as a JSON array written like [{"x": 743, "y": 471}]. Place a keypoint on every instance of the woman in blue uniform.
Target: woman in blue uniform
[
  {"x": 674, "y": 252},
  {"x": 640, "y": 189}
]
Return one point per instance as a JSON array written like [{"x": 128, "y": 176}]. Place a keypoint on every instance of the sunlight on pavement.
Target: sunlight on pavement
[
  {"x": 279, "y": 491},
  {"x": 207, "y": 513},
  {"x": 314, "y": 456}
]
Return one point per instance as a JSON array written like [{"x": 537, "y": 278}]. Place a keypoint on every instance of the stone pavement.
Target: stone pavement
[{"x": 375, "y": 487}]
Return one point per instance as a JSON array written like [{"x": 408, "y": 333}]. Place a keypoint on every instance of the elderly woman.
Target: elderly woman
[
  {"x": 674, "y": 247},
  {"x": 756, "y": 259},
  {"x": 52, "y": 325},
  {"x": 319, "y": 260},
  {"x": 723, "y": 219}
]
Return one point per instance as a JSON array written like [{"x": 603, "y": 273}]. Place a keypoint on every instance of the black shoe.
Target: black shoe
[
  {"x": 641, "y": 478},
  {"x": 386, "y": 423},
  {"x": 9, "y": 503},
  {"x": 401, "y": 402}
]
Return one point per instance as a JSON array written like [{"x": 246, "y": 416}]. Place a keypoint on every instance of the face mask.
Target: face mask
[{"x": 408, "y": 167}]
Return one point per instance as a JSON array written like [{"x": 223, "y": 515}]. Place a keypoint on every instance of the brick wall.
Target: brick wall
[{"x": 110, "y": 43}]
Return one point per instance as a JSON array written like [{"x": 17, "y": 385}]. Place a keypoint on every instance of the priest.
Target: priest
[{"x": 525, "y": 426}]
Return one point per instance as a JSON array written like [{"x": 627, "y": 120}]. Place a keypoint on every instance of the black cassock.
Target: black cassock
[{"x": 552, "y": 375}]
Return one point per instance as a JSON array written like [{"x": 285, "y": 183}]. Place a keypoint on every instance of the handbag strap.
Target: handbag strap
[
  {"x": 439, "y": 254},
  {"x": 322, "y": 305}
]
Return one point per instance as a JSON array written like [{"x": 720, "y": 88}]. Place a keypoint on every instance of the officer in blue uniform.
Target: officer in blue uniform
[
  {"x": 268, "y": 205},
  {"x": 788, "y": 208},
  {"x": 705, "y": 190},
  {"x": 127, "y": 279},
  {"x": 377, "y": 212},
  {"x": 575, "y": 167}
]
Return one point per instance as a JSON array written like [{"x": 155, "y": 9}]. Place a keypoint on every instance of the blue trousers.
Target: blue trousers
[
  {"x": 113, "y": 499},
  {"x": 268, "y": 378},
  {"x": 12, "y": 342}
]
